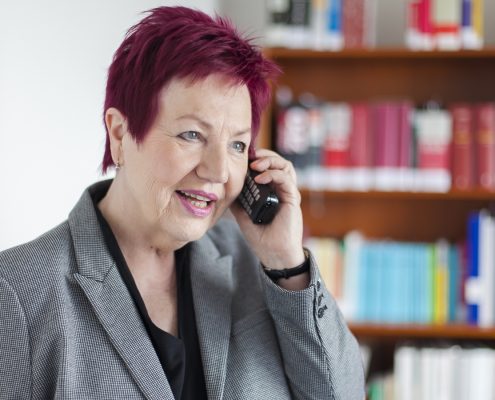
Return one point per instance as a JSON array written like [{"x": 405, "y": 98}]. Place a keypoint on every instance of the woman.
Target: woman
[{"x": 145, "y": 292}]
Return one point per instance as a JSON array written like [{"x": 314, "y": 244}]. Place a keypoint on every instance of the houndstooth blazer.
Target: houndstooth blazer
[{"x": 69, "y": 328}]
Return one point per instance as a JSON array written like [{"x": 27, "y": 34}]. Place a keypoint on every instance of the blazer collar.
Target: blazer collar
[
  {"x": 102, "y": 284},
  {"x": 212, "y": 286},
  {"x": 98, "y": 276}
]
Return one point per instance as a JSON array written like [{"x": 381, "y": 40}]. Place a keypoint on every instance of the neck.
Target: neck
[{"x": 136, "y": 240}]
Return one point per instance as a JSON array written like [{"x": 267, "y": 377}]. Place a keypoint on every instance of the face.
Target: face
[{"x": 191, "y": 165}]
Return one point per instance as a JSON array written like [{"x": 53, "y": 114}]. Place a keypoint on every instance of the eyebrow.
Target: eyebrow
[{"x": 208, "y": 126}]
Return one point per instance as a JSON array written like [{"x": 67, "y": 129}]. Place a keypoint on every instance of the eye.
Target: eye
[
  {"x": 190, "y": 136},
  {"x": 239, "y": 147}
]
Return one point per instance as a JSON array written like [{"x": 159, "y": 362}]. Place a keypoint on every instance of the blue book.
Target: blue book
[
  {"x": 454, "y": 282},
  {"x": 472, "y": 280}
]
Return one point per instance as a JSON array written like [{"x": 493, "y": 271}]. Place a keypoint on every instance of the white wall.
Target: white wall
[{"x": 54, "y": 56}]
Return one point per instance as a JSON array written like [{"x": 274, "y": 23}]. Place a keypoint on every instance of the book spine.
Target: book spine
[
  {"x": 462, "y": 147},
  {"x": 277, "y": 24},
  {"x": 434, "y": 135},
  {"x": 336, "y": 147},
  {"x": 473, "y": 285},
  {"x": 360, "y": 148},
  {"x": 485, "y": 145},
  {"x": 386, "y": 124},
  {"x": 477, "y": 22},
  {"x": 333, "y": 38},
  {"x": 353, "y": 23},
  {"x": 425, "y": 25},
  {"x": 446, "y": 19}
]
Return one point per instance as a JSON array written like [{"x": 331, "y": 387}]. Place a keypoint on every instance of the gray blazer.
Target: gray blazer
[{"x": 69, "y": 328}]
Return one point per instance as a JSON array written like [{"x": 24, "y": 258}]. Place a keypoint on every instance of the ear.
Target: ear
[{"x": 117, "y": 128}]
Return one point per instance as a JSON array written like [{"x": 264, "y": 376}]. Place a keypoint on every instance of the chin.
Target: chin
[{"x": 193, "y": 230}]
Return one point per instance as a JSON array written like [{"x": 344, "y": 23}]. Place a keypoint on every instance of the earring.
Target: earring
[{"x": 117, "y": 165}]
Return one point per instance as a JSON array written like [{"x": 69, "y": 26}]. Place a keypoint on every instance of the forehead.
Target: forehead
[{"x": 215, "y": 97}]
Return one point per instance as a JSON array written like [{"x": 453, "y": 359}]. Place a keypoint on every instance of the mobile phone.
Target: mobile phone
[{"x": 259, "y": 201}]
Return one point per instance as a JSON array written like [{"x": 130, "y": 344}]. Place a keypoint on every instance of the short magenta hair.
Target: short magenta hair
[{"x": 178, "y": 42}]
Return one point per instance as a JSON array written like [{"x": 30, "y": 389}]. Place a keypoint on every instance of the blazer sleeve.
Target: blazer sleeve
[
  {"x": 15, "y": 359},
  {"x": 321, "y": 357}
]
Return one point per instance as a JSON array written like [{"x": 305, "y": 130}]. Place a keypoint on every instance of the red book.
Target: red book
[
  {"x": 405, "y": 110},
  {"x": 485, "y": 145},
  {"x": 360, "y": 152},
  {"x": 361, "y": 147},
  {"x": 462, "y": 146},
  {"x": 425, "y": 24},
  {"x": 353, "y": 24},
  {"x": 386, "y": 123}
]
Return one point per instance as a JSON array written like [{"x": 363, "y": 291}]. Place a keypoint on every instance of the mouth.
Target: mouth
[
  {"x": 199, "y": 205},
  {"x": 195, "y": 199}
]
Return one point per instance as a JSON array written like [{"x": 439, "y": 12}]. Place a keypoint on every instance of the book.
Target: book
[
  {"x": 433, "y": 136},
  {"x": 353, "y": 23},
  {"x": 485, "y": 145},
  {"x": 386, "y": 158},
  {"x": 360, "y": 147},
  {"x": 486, "y": 263},
  {"x": 473, "y": 288},
  {"x": 462, "y": 146},
  {"x": 336, "y": 145},
  {"x": 427, "y": 39},
  {"x": 277, "y": 29},
  {"x": 472, "y": 24},
  {"x": 446, "y": 21},
  {"x": 300, "y": 33},
  {"x": 327, "y": 25}
]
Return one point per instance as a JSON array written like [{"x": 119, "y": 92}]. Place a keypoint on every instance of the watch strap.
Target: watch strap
[{"x": 276, "y": 274}]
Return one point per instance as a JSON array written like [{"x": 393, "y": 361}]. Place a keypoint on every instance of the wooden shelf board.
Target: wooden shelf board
[
  {"x": 451, "y": 195},
  {"x": 285, "y": 53},
  {"x": 453, "y": 331}
]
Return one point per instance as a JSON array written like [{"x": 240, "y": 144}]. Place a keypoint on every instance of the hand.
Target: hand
[{"x": 278, "y": 245}]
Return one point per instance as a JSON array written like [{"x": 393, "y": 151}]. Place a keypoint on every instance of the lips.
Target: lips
[{"x": 197, "y": 203}]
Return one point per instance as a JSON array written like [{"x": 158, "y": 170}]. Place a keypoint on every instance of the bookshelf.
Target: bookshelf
[{"x": 368, "y": 75}]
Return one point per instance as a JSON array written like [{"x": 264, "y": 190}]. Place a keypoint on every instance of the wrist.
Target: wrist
[
  {"x": 285, "y": 273},
  {"x": 284, "y": 260}
]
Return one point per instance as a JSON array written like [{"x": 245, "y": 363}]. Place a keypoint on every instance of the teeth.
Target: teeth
[
  {"x": 199, "y": 204},
  {"x": 195, "y": 196}
]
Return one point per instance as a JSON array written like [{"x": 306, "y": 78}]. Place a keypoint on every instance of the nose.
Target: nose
[{"x": 213, "y": 166}]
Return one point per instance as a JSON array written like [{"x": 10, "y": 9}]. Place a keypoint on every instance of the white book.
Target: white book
[
  {"x": 481, "y": 374},
  {"x": 353, "y": 243},
  {"x": 406, "y": 369},
  {"x": 486, "y": 269}
]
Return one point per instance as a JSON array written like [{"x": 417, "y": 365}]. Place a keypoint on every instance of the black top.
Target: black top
[{"x": 179, "y": 356}]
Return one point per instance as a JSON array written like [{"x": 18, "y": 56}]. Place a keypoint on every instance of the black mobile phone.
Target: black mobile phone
[{"x": 259, "y": 201}]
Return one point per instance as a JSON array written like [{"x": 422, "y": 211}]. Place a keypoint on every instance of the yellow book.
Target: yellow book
[{"x": 441, "y": 281}]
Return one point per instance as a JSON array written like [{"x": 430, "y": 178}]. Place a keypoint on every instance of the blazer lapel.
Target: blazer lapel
[
  {"x": 212, "y": 286},
  {"x": 102, "y": 284}
]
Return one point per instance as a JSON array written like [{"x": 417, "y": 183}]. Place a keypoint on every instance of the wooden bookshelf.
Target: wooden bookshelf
[
  {"x": 454, "y": 332},
  {"x": 408, "y": 216},
  {"x": 368, "y": 75},
  {"x": 356, "y": 75}
]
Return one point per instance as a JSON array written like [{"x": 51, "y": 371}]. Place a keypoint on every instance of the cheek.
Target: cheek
[{"x": 236, "y": 182}]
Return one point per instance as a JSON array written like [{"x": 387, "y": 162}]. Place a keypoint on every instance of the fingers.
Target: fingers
[
  {"x": 285, "y": 185},
  {"x": 269, "y": 160}
]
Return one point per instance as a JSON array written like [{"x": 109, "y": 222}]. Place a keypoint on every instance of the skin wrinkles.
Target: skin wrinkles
[{"x": 167, "y": 160}]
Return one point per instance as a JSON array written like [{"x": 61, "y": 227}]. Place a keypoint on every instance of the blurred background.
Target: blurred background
[{"x": 53, "y": 61}]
